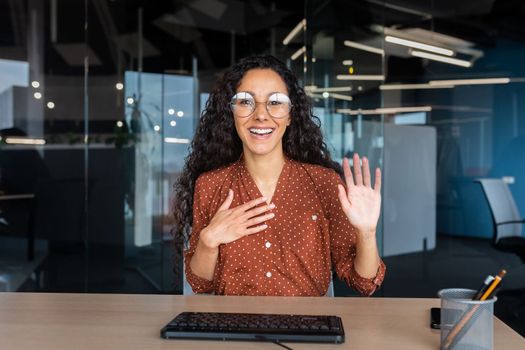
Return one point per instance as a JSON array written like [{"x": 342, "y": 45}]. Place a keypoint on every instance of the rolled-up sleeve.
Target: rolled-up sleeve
[
  {"x": 343, "y": 242},
  {"x": 200, "y": 221}
]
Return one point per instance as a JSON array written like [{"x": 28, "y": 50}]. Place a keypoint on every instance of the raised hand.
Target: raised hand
[
  {"x": 229, "y": 225},
  {"x": 360, "y": 201}
]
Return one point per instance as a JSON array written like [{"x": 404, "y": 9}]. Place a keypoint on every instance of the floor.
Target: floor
[{"x": 454, "y": 263}]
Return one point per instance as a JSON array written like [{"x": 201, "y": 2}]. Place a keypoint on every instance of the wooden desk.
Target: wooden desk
[{"x": 117, "y": 321}]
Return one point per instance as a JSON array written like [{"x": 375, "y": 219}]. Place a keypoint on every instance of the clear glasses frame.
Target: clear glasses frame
[{"x": 243, "y": 105}]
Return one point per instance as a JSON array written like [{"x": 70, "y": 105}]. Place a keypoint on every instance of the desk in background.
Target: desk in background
[
  {"x": 30, "y": 219},
  {"x": 118, "y": 321}
]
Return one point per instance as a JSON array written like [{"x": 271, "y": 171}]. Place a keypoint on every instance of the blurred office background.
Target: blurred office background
[{"x": 99, "y": 100}]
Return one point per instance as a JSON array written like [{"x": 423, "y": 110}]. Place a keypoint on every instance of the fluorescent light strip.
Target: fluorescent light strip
[
  {"x": 444, "y": 59},
  {"x": 311, "y": 94},
  {"x": 310, "y": 87},
  {"x": 175, "y": 140},
  {"x": 418, "y": 45},
  {"x": 413, "y": 86},
  {"x": 294, "y": 32},
  {"x": 348, "y": 62},
  {"x": 483, "y": 81},
  {"x": 341, "y": 97},
  {"x": 390, "y": 110},
  {"x": 364, "y": 47},
  {"x": 333, "y": 89},
  {"x": 24, "y": 141},
  {"x": 359, "y": 77},
  {"x": 298, "y": 53}
]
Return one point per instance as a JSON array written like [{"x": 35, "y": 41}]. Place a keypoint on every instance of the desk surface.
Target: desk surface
[{"x": 117, "y": 321}]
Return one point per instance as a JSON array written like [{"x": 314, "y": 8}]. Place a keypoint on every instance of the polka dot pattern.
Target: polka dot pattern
[{"x": 295, "y": 254}]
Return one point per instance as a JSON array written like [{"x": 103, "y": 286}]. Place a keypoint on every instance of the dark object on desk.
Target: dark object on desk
[
  {"x": 435, "y": 318},
  {"x": 257, "y": 327}
]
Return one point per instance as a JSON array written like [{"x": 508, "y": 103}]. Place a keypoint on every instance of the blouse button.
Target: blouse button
[
  {"x": 268, "y": 274},
  {"x": 314, "y": 217},
  {"x": 267, "y": 244}
]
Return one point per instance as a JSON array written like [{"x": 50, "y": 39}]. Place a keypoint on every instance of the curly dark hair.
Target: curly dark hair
[{"x": 216, "y": 143}]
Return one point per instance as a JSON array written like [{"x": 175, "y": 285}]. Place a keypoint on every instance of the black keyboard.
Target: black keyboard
[{"x": 258, "y": 327}]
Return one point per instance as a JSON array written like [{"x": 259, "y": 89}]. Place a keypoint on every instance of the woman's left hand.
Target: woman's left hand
[{"x": 360, "y": 201}]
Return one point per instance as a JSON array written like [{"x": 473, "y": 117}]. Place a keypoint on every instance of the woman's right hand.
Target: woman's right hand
[{"x": 229, "y": 225}]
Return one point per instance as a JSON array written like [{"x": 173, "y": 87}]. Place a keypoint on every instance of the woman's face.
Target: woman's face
[{"x": 260, "y": 132}]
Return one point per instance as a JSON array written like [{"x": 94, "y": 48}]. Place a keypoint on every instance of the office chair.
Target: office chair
[
  {"x": 506, "y": 220},
  {"x": 507, "y": 227}
]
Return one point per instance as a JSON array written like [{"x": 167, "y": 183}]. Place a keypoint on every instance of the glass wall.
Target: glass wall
[{"x": 99, "y": 100}]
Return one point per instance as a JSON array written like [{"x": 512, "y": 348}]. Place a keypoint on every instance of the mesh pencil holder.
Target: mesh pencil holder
[{"x": 466, "y": 324}]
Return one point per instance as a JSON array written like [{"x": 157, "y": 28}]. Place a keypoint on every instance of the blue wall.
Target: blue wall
[{"x": 463, "y": 209}]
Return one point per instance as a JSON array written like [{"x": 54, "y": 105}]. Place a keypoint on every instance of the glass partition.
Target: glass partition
[{"x": 99, "y": 101}]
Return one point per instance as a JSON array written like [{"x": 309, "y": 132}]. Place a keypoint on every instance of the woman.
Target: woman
[{"x": 266, "y": 206}]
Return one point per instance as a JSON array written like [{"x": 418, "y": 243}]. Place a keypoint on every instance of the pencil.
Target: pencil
[
  {"x": 483, "y": 287},
  {"x": 453, "y": 335},
  {"x": 493, "y": 285}
]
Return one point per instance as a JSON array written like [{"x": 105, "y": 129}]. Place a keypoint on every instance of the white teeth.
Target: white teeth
[{"x": 261, "y": 131}]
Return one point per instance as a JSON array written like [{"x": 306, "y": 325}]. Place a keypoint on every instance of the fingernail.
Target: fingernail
[
  {"x": 272, "y": 215},
  {"x": 272, "y": 206}
]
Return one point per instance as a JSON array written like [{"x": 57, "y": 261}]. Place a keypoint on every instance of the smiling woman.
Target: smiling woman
[{"x": 262, "y": 203}]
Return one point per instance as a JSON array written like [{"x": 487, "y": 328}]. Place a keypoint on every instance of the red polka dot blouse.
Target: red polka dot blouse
[{"x": 294, "y": 256}]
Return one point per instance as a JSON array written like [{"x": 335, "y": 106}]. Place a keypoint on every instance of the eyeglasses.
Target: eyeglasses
[{"x": 243, "y": 105}]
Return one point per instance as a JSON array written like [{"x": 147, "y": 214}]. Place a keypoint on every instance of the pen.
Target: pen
[
  {"x": 454, "y": 333},
  {"x": 493, "y": 285},
  {"x": 483, "y": 287}
]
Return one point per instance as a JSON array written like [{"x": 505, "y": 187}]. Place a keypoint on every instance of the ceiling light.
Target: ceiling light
[
  {"x": 332, "y": 89},
  {"x": 180, "y": 114},
  {"x": 120, "y": 124},
  {"x": 364, "y": 47},
  {"x": 326, "y": 94},
  {"x": 175, "y": 140},
  {"x": 35, "y": 84},
  {"x": 483, "y": 81},
  {"x": 348, "y": 62},
  {"x": 418, "y": 45},
  {"x": 50, "y": 105},
  {"x": 341, "y": 97},
  {"x": 130, "y": 100},
  {"x": 37, "y": 95},
  {"x": 119, "y": 86},
  {"x": 294, "y": 32},
  {"x": 389, "y": 110},
  {"x": 24, "y": 141},
  {"x": 298, "y": 53},
  {"x": 359, "y": 77},
  {"x": 173, "y": 123},
  {"x": 413, "y": 86},
  {"x": 171, "y": 111},
  {"x": 156, "y": 128},
  {"x": 444, "y": 59}
]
